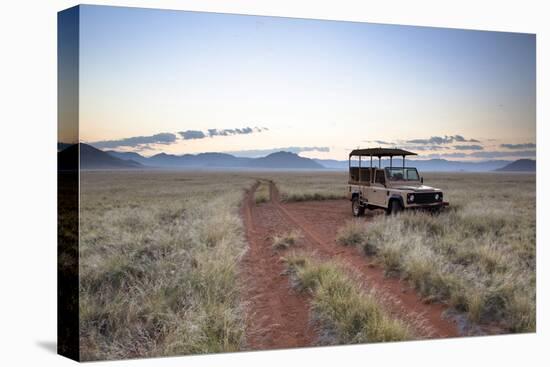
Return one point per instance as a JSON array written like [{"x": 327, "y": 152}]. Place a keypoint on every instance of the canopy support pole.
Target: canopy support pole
[
  {"x": 371, "y": 175},
  {"x": 349, "y": 168},
  {"x": 359, "y": 168}
]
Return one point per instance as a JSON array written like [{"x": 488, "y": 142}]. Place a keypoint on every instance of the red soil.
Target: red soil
[{"x": 278, "y": 316}]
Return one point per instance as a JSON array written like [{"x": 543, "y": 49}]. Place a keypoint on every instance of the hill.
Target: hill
[
  {"x": 285, "y": 160},
  {"x": 279, "y": 160},
  {"x": 62, "y": 146},
  {"x": 127, "y": 156},
  {"x": 425, "y": 165},
  {"x": 521, "y": 165},
  {"x": 91, "y": 158},
  {"x": 67, "y": 159}
]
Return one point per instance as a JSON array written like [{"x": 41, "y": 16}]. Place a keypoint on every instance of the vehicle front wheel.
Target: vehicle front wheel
[
  {"x": 394, "y": 207},
  {"x": 357, "y": 209}
]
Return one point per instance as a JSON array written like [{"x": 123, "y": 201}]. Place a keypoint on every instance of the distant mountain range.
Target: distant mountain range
[
  {"x": 92, "y": 158},
  {"x": 428, "y": 165},
  {"x": 279, "y": 160},
  {"x": 522, "y": 165},
  {"x": 63, "y": 146},
  {"x": 67, "y": 157}
]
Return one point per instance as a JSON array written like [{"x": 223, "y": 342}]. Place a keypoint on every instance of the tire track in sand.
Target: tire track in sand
[
  {"x": 277, "y": 316},
  {"x": 318, "y": 222}
]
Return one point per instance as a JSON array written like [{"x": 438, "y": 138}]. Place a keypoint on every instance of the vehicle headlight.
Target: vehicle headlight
[
  {"x": 436, "y": 196},
  {"x": 411, "y": 198}
]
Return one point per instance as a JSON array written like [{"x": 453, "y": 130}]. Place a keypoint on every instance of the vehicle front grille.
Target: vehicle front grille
[{"x": 426, "y": 198}]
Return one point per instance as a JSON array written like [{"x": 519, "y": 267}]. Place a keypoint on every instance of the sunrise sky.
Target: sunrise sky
[{"x": 180, "y": 82}]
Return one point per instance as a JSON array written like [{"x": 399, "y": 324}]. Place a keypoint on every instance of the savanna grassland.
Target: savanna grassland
[
  {"x": 160, "y": 254},
  {"x": 311, "y": 185},
  {"x": 478, "y": 255},
  {"x": 158, "y": 263},
  {"x": 343, "y": 310}
]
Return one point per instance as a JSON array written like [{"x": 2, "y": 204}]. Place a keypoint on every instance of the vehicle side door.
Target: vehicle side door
[{"x": 378, "y": 187}]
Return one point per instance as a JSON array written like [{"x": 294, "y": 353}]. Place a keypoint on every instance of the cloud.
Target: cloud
[
  {"x": 192, "y": 134},
  {"x": 252, "y": 153},
  {"x": 439, "y": 140},
  {"x": 381, "y": 142},
  {"x": 145, "y": 142},
  {"x": 446, "y": 155},
  {"x": 468, "y": 147},
  {"x": 425, "y": 147},
  {"x": 431, "y": 143},
  {"x": 501, "y": 154},
  {"x": 461, "y": 139},
  {"x": 246, "y": 130},
  {"x": 519, "y": 146},
  {"x": 196, "y": 134},
  {"x": 216, "y": 132},
  {"x": 227, "y": 132},
  {"x": 487, "y": 154},
  {"x": 137, "y": 141}
]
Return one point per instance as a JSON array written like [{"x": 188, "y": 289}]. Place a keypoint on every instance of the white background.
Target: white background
[{"x": 28, "y": 134}]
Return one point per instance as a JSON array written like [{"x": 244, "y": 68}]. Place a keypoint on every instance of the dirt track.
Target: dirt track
[{"x": 278, "y": 316}]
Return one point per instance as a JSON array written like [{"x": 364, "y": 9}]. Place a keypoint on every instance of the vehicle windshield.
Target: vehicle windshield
[{"x": 402, "y": 174}]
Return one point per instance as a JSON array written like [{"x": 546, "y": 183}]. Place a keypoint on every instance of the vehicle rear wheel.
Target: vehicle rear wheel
[
  {"x": 394, "y": 207},
  {"x": 357, "y": 209}
]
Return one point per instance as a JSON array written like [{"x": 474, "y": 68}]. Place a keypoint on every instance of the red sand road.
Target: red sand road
[
  {"x": 278, "y": 317},
  {"x": 319, "y": 222}
]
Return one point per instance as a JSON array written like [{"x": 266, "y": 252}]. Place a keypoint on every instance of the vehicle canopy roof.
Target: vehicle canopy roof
[{"x": 380, "y": 152}]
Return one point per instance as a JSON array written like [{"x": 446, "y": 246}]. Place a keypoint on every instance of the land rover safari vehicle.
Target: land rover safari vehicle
[{"x": 392, "y": 188}]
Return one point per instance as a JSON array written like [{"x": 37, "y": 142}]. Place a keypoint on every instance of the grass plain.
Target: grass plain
[
  {"x": 262, "y": 194},
  {"x": 346, "y": 314},
  {"x": 159, "y": 256},
  {"x": 159, "y": 253},
  {"x": 305, "y": 186},
  {"x": 478, "y": 255}
]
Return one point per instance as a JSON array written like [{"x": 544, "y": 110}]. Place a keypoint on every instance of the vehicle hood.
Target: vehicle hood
[{"x": 416, "y": 188}]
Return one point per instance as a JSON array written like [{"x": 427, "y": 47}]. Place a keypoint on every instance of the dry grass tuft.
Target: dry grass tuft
[
  {"x": 286, "y": 240},
  {"x": 262, "y": 194},
  {"x": 345, "y": 313},
  {"x": 353, "y": 233},
  {"x": 300, "y": 186},
  {"x": 479, "y": 256},
  {"x": 158, "y": 264}
]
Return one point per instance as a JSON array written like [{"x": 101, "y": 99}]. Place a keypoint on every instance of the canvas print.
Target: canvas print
[{"x": 236, "y": 182}]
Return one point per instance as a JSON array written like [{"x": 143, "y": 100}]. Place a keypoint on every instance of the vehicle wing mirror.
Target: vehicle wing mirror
[{"x": 422, "y": 180}]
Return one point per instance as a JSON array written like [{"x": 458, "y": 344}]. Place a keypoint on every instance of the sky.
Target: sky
[
  {"x": 67, "y": 76},
  {"x": 181, "y": 82}
]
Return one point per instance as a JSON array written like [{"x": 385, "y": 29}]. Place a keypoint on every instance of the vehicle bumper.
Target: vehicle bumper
[{"x": 440, "y": 204}]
